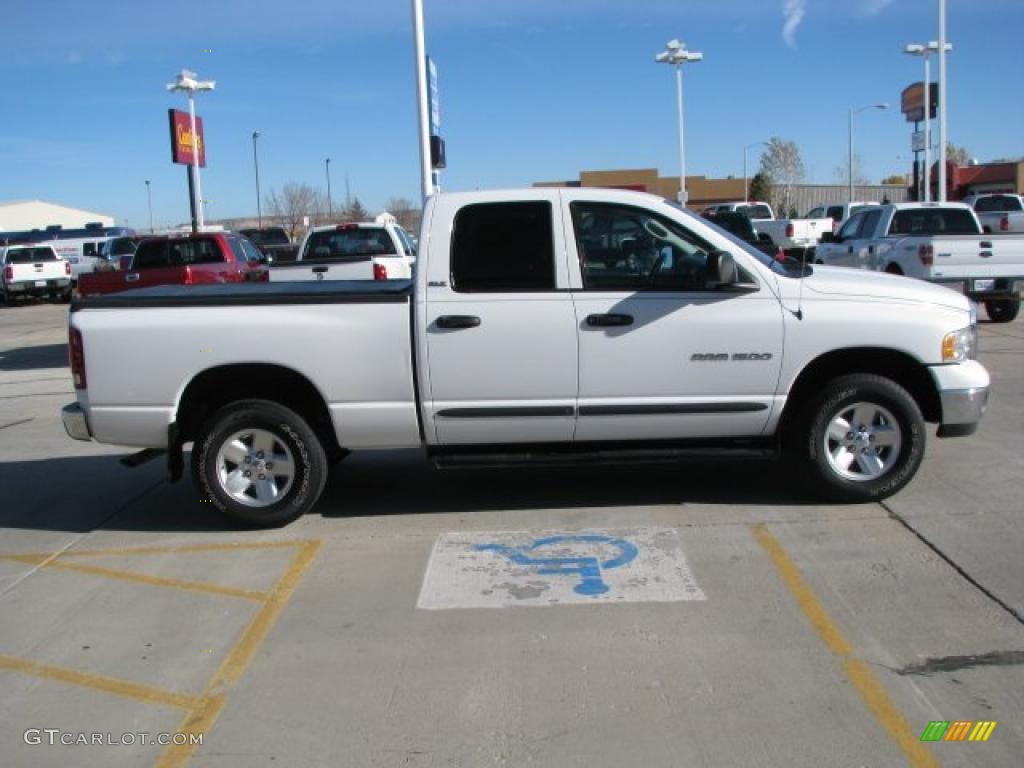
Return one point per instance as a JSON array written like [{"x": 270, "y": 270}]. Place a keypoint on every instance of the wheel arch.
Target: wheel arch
[
  {"x": 893, "y": 364},
  {"x": 215, "y": 387}
]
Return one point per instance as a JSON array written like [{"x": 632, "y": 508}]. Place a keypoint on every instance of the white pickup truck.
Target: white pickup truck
[
  {"x": 939, "y": 242},
  {"x": 794, "y": 236},
  {"x": 33, "y": 270},
  {"x": 998, "y": 213},
  {"x": 358, "y": 251},
  {"x": 558, "y": 325}
]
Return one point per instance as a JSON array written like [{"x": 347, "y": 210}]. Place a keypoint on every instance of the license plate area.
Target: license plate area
[
  {"x": 40, "y": 283},
  {"x": 984, "y": 285}
]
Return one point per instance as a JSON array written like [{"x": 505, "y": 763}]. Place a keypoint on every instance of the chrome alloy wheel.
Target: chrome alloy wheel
[
  {"x": 255, "y": 467},
  {"x": 863, "y": 441}
]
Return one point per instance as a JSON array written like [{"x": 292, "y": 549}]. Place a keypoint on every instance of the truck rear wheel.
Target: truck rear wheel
[
  {"x": 861, "y": 439},
  {"x": 1003, "y": 310},
  {"x": 259, "y": 463}
]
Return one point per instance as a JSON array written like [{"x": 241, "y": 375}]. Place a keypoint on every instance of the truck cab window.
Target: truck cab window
[
  {"x": 851, "y": 229},
  {"x": 151, "y": 255},
  {"x": 632, "y": 249},
  {"x": 503, "y": 247}
]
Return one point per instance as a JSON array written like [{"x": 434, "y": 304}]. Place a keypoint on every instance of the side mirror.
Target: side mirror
[
  {"x": 724, "y": 275},
  {"x": 124, "y": 263},
  {"x": 829, "y": 237}
]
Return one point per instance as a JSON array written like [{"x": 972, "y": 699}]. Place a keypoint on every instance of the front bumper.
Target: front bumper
[
  {"x": 963, "y": 393},
  {"x": 75, "y": 422}
]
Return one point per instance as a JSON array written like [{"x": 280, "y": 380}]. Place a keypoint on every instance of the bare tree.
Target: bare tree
[
  {"x": 957, "y": 155},
  {"x": 782, "y": 164},
  {"x": 356, "y": 211},
  {"x": 291, "y": 204},
  {"x": 407, "y": 213},
  {"x": 841, "y": 173}
]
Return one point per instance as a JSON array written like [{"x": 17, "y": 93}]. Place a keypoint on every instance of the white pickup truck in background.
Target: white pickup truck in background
[
  {"x": 33, "y": 270},
  {"x": 939, "y": 242},
  {"x": 553, "y": 325},
  {"x": 796, "y": 237},
  {"x": 998, "y": 213},
  {"x": 357, "y": 251},
  {"x": 838, "y": 212}
]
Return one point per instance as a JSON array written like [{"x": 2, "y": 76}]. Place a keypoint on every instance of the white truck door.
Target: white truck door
[
  {"x": 500, "y": 331},
  {"x": 662, "y": 355},
  {"x": 844, "y": 253}
]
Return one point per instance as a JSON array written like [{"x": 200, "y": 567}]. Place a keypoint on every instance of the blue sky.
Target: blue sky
[{"x": 530, "y": 90}]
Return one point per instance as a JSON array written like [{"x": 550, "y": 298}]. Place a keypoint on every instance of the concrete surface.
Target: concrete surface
[{"x": 828, "y": 636}]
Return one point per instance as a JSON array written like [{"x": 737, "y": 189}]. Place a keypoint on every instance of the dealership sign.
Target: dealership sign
[
  {"x": 182, "y": 140},
  {"x": 912, "y": 101}
]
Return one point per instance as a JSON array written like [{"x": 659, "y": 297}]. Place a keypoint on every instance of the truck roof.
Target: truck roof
[{"x": 919, "y": 205}]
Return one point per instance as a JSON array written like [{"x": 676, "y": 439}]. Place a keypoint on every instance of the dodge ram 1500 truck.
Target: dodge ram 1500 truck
[
  {"x": 544, "y": 324},
  {"x": 940, "y": 242}
]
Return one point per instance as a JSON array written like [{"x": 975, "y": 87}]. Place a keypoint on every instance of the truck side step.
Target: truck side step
[{"x": 140, "y": 458}]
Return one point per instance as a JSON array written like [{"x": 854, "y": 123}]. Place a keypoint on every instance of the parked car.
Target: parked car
[
  {"x": 939, "y": 242},
  {"x": 838, "y": 212},
  {"x": 273, "y": 242},
  {"x": 795, "y": 236},
  {"x": 998, "y": 213},
  {"x": 192, "y": 259},
  {"x": 741, "y": 226},
  {"x": 352, "y": 251},
  {"x": 115, "y": 253},
  {"x": 33, "y": 270},
  {"x": 518, "y": 342}
]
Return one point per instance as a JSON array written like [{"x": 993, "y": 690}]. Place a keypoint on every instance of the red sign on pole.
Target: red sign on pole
[{"x": 181, "y": 138}]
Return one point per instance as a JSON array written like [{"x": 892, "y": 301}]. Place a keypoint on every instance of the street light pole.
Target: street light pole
[
  {"x": 330, "y": 206},
  {"x": 675, "y": 53},
  {"x": 256, "y": 165},
  {"x": 188, "y": 83},
  {"x": 746, "y": 193},
  {"x": 850, "y": 143},
  {"x": 925, "y": 51},
  {"x": 942, "y": 101},
  {"x": 422, "y": 107},
  {"x": 149, "y": 200}
]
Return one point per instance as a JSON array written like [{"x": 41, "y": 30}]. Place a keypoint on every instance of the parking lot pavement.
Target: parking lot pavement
[{"x": 701, "y": 614}]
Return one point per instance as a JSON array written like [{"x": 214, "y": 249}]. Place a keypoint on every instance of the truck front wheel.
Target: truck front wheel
[
  {"x": 861, "y": 439},
  {"x": 1003, "y": 310},
  {"x": 259, "y": 463}
]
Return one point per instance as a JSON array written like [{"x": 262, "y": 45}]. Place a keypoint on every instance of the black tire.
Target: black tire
[
  {"x": 1003, "y": 310},
  {"x": 811, "y": 447},
  {"x": 894, "y": 269},
  {"x": 291, "y": 434}
]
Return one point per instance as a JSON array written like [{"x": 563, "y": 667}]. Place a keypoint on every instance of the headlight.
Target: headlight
[{"x": 960, "y": 345}]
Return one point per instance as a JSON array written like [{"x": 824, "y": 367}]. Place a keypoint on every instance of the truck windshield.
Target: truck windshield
[
  {"x": 30, "y": 255},
  {"x": 934, "y": 221},
  {"x": 349, "y": 244}
]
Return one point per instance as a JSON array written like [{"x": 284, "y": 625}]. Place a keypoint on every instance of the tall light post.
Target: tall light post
[
  {"x": 256, "y": 165},
  {"x": 924, "y": 51},
  {"x": 942, "y": 100},
  {"x": 188, "y": 84},
  {"x": 746, "y": 193},
  {"x": 850, "y": 135},
  {"x": 422, "y": 107},
  {"x": 149, "y": 200},
  {"x": 675, "y": 53},
  {"x": 327, "y": 170}
]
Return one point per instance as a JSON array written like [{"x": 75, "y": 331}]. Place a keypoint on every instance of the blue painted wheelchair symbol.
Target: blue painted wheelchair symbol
[{"x": 588, "y": 568}]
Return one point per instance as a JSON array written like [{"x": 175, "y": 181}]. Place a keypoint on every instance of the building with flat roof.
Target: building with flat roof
[{"x": 22, "y": 215}]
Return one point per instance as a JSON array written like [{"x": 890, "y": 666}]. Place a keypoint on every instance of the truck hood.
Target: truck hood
[{"x": 844, "y": 281}]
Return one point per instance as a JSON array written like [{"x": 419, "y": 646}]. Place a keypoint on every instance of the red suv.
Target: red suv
[{"x": 191, "y": 259}]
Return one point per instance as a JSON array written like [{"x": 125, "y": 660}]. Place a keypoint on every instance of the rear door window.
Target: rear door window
[
  {"x": 30, "y": 255},
  {"x": 349, "y": 244},
  {"x": 189, "y": 252},
  {"x": 503, "y": 247},
  {"x": 851, "y": 229},
  {"x": 151, "y": 254}
]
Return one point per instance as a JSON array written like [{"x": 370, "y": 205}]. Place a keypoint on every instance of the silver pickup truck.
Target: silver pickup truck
[
  {"x": 998, "y": 212},
  {"x": 553, "y": 325}
]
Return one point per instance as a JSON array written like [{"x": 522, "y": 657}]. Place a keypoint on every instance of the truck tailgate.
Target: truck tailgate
[
  {"x": 314, "y": 269},
  {"x": 351, "y": 341},
  {"x": 962, "y": 257}
]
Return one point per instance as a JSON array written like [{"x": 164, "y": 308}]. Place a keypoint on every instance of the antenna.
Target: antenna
[{"x": 799, "y": 313}]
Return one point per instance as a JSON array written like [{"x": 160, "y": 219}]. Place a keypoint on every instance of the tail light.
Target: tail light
[
  {"x": 76, "y": 357},
  {"x": 789, "y": 229},
  {"x": 1004, "y": 224},
  {"x": 380, "y": 272},
  {"x": 67, "y": 267},
  {"x": 9, "y": 273},
  {"x": 188, "y": 275},
  {"x": 926, "y": 255}
]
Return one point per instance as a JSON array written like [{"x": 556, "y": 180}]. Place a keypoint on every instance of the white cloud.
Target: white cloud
[
  {"x": 875, "y": 7},
  {"x": 793, "y": 12}
]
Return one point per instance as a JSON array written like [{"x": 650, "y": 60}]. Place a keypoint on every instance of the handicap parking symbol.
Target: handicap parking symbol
[{"x": 588, "y": 568}]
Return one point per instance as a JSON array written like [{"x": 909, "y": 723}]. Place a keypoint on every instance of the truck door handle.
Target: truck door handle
[
  {"x": 453, "y": 322},
  {"x": 604, "y": 321},
  {"x": 131, "y": 277},
  {"x": 986, "y": 243},
  {"x": 319, "y": 269}
]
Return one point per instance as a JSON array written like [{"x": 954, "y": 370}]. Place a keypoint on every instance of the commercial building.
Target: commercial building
[
  {"x": 703, "y": 191},
  {"x": 21, "y": 215},
  {"x": 983, "y": 178}
]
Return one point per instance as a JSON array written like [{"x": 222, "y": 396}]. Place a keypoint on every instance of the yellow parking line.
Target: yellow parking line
[
  {"x": 157, "y": 581},
  {"x": 871, "y": 690},
  {"x": 203, "y": 717},
  {"x": 135, "y": 691},
  {"x": 236, "y": 546}
]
